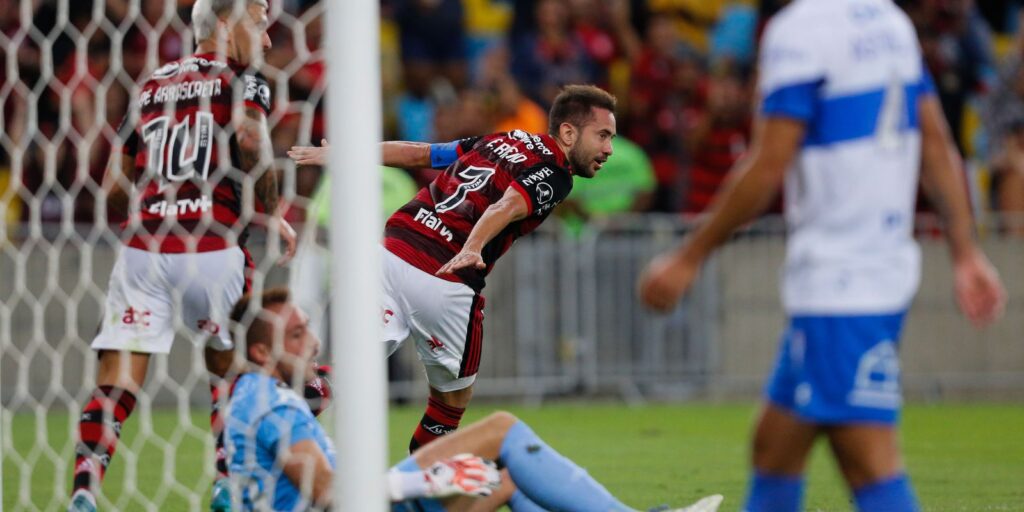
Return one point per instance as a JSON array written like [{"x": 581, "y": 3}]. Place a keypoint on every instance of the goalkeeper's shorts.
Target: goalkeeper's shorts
[
  {"x": 443, "y": 319},
  {"x": 149, "y": 292},
  {"x": 840, "y": 369}
]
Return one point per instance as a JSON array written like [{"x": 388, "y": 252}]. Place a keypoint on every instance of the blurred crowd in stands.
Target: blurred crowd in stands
[{"x": 683, "y": 70}]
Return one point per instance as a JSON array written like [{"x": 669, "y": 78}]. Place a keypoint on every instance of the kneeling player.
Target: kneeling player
[{"x": 280, "y": 457}]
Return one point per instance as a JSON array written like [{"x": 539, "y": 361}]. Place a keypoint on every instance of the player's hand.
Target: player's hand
[
  {"x": 288, "y": 236},
  {"x": 310, "y": 155},
  {"x": 462, "y": 475},
  {"x": 464, "y": 259},
  {"x": 979, "y": 292},
  {"x": 665, "y": 279}
]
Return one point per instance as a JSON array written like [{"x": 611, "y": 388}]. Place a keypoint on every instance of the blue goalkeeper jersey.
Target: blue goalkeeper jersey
[{"x": 264, "y": 417}]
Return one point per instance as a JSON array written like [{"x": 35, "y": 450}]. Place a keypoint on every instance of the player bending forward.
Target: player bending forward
[
  {"x": 281, "y": 459},
  {"x": 440, "y": 246},
  {"x": 184, "y": 257},
  {"x": 848, "y": 116}
]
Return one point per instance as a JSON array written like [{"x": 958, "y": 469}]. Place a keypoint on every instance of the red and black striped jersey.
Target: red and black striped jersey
[
  {"x": 187, "y": 171},
  {"x": 432, "y": 228}
]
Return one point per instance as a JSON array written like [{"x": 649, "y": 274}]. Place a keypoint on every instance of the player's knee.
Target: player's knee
[{"x": 502, "y": 420}]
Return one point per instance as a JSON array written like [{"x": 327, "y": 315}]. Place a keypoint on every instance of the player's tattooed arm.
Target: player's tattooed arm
[
  {"x": 117, "y": 182},
  {"x": 406, "y": 155},
  {"x": 510, "y": 208},
  {"x": 256, "y": 159}
]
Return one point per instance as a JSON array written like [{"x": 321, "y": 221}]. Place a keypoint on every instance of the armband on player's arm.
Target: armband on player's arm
[{"x": 444, "y": 154}]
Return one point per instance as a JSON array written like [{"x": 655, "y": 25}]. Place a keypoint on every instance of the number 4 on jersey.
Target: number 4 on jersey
[
  {"x": 476, "y": 178},
  {"x": 188, "y": 152}
]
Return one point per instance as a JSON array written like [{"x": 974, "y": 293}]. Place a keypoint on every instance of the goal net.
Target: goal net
[{"x": 70, "y": 70}]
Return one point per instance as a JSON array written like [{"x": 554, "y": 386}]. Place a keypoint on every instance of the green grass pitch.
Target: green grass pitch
[{"x": 961, "y": 457}]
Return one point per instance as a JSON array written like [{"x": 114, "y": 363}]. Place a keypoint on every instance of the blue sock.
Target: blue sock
[
  {"x": 520, "y": 503},
  {"x": 890, "y": 495},
  {"x": 550, "y": 480},
  {"x": 770, "y": 493}
]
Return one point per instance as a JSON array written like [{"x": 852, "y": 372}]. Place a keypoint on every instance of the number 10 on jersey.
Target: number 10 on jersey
[{"x": 186, "y": 151}]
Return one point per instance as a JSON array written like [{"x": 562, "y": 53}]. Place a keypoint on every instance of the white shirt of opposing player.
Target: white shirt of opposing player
[{"x": 852, "y": 69}]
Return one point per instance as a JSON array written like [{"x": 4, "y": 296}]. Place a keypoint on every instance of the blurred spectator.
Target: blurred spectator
[
  {"x": 957, "y": 47},
  {"x": 665, "y": 99},
  {"x": 512, "y": 109},
  {"x": 552, "y": 55},
  {"x": 624, "y": 184},
  {"x": 433, "y": 47},
  {"x": 718, "y": 139},
  {"x": 1004, "y": 124},
  {"x": 603, "y": 26},
  {"x": 733, "y": 36},
  {"x": 692, "y": 18}
]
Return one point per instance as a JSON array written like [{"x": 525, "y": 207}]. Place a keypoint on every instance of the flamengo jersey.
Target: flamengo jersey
[
  {"x": 186, "y": 155},
  {"x": 431, "y": 228},
  {"x": 852, "y": 71}
]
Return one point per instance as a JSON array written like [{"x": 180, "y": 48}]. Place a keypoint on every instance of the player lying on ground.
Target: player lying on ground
[
  {"x": 848, "y": 114},
  {"x": 281, "y": 458},
  {"x": 184, "y": 257},
  {"x": 439, "y": 247}
]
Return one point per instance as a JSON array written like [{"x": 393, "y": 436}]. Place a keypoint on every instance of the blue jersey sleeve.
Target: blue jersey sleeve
[
  {"x": 796, "y": 101},
  {"x": 285, "y": 424}
]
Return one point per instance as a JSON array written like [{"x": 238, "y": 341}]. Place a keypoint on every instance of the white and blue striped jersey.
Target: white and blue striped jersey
[{"x": 852, "y": 71}]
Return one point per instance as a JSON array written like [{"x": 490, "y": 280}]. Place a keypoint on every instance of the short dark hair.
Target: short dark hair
[
  {"x": 249, "y": 323},
  {"x": 573, "y": 105}
]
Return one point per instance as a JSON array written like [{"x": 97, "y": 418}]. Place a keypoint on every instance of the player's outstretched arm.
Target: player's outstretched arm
[
  {"x": 254, "y": 149},
  {"x": 747, "y": 192},
  {"x": 395, "y": 153},
  {"x": 510, "y": 208},
  {"x": 406, "y": 155},
  {"x": 979, "y": 291}
]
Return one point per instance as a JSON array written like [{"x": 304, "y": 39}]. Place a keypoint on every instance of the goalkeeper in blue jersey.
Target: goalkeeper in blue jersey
[{"x": 281, "y": 459}]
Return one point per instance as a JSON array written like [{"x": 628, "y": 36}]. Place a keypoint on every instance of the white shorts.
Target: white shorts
[
  {"x": 442, "y": 318},
  {"x": 147, "y": 288}
]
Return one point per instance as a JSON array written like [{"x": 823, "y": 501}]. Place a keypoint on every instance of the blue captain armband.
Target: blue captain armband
[{"x": 444, "y": 154}]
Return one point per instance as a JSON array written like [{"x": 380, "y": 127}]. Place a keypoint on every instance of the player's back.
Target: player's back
[
  {"x": 432, "y": 228},
  {"x": 187, "y": 168},
  {"x": 852, "y": 70}
]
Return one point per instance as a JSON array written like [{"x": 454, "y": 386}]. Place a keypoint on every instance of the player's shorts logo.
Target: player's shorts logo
[
  {"x": 877, "y": 382},
  {"x": 136, "y": 317}
]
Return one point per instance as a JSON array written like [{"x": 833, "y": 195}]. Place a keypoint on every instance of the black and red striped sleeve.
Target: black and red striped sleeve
[
  {"x": 543, "y": 186},
  {"x": 256, "y": 93}
]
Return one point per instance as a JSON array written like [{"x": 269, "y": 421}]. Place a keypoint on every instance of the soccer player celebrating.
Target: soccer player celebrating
[
  {"x": 440, "y": 246},
  {"x": 281, "y": 459},
  {"x": 194, "y": 137},
  {"x": 848, "y": 115}
]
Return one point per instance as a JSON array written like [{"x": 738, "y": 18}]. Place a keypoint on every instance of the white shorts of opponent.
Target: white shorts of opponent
[
  {"x": 443, "y": 319},
  {"x": 147, "y": 289}
]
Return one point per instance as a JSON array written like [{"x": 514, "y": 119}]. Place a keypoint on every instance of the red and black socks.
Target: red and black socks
[{"x": 99, "y": 429}]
